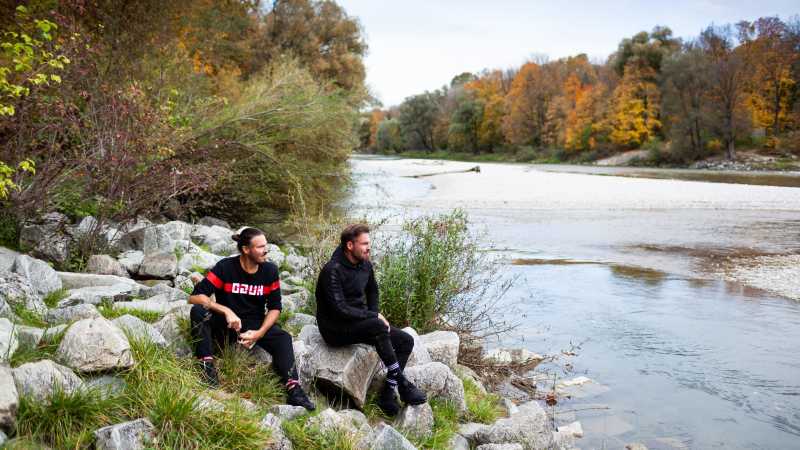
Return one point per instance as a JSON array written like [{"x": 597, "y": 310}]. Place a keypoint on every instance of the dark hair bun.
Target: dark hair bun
[{"x": 236, "y": 237}]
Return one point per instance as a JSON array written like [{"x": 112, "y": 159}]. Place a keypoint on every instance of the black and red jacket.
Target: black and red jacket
[{"x": 249, "y": 296}]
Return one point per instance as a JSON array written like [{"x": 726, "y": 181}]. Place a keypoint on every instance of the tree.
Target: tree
[
  {"x": 527, "y": 104},
  {"x": 637, "y": 103},
  {"x": 418, "y": 115},
  {"x": 465, "y": 124},
  {"x": 488, "y": 89},
  {"x": 389, "y": 137}
]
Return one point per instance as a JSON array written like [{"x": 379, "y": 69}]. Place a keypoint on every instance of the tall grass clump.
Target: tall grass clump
[{"x": 434, "y": 276}]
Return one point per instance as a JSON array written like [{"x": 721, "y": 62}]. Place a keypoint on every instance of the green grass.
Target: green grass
[
  {"x": 481, "y": 408},
  {"x": 255, "y": 382},
  {"x": 308, "y": 437},
  {"x": 26, "y": 316},
  {"x": 52, "y": 298},
  {"x": 46, "y": 349},
  {"x": 108, "y": 311},
  {"x": 445, "y": 425}
]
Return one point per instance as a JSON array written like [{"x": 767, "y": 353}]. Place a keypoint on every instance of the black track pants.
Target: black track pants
[
  {"x": 209, "y": 329},
  {"x": 393, "y": 345}
]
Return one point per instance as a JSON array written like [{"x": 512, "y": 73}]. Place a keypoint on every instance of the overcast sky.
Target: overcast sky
[{"x": 420, "y": 45}]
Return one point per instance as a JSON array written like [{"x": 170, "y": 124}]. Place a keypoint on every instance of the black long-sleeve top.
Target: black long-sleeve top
[{"x": 346, "y": 292}]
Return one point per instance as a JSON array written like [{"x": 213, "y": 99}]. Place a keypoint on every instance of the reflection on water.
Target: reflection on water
[{"x": 625, "y": 267}]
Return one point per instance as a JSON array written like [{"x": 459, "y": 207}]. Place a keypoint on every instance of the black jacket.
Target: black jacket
[{"x": 346, "y": 292}]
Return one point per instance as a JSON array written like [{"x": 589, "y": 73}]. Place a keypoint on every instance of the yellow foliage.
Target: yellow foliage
[{"x": 635, "y": 118}]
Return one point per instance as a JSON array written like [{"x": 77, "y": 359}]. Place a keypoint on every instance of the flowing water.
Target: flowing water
[{"x": 629, "y": 271}]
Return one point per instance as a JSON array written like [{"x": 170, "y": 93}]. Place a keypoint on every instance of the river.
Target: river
[{"x": 681, "y": 296}]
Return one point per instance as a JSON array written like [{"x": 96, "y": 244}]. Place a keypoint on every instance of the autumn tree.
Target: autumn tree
[
  {"x": 418, "y": 115},
  {"x": 527, "y": 104},
  {"x": 465, "y": 124},
  {"x": 488, "y": 91}
]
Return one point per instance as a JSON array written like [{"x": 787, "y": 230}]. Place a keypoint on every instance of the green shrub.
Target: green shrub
[{"x": 481, "y": 407}]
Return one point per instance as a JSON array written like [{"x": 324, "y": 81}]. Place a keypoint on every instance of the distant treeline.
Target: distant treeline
[
  {"x": 732, "y": 85},
  {"x": 117, "y": 108}
]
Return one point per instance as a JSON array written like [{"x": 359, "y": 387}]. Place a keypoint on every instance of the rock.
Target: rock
[
  {"x": 349, "y": 369},
  {"x": 48, "y": 238},
  {"x": 635, "y": 446},
  {"x": 197, "y": 258},
  {"x": 139, "y": 329},
  {"x": 213, "y": 221},
  {"x": 38, "y": 379},
  {"x": 169, "y": 327},
  {"x": 72, "y": 280},
  {"x": 170, "y": 293},
  {"x": 458, "y": 442},
  {"x": 9, "y": 339},
  {"x": 149, "y": 239},
  {"x": 277, "y": 438},
  {"x": 384, "y": 437},
  {"x": 92, "y": 345},
  {"x": 416, "y": 420},
  {"x": 465, "y": 373},
  {"x": 288, "y": 412},
  {"x": 106, "y": 265},
  {"x": 6, "y": 311},
  {"x": 51, "y": 332},
  {"x": 16, "y": 291},
  {"x": 94, "y": 295},
  {"x": 516, "y": 356},
  {"x": 43, "y": 278},
  {"x": 419, "y": 354},
  {"x": 528, "y": 427},
  {"x": 131, "y": 260},
  {"x": 275, "y": 255},
  {"x": 299, "y": 298},
  {"x": 70, "y": 313},
  {"x": 226, "y": 248},
  {"x": 177, "y": 230},
  {"x": 159, "y": 304},
  {"x": 134, "y": 435},
  {"x": 299, "y": 320},
  {"x": 9, "y": 399},
  {"x": 438, "y": 381},
  {"x": 107, "y": 385},
  {"x": 296, "y": 263},
  {"x": 573, "y": 429},
  {"x": 500, "y": 447},
  {"x": 7, "y": 257},
  {"x": 470, "y": 430},
  {"x": 261, "y": 356},
  {"x": 510, "y": 406},
  {"x": 288, "y": 305},
  {"x": 159, "y": 265},
  {"x": 442, "y": 346},
  {"x": 29, "y": 336},
  {"x": 288, "y": 289},
  {"x": 348, "y": 422},
  {"x": 211, "y": 235}
]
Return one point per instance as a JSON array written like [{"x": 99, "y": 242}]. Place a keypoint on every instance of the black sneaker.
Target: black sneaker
[
  {"x": 387, "y": 401},
  {"x": 297, "y": 397},
  {"x": 209, "y": 373},
  {"x": 410, "y": 394}
]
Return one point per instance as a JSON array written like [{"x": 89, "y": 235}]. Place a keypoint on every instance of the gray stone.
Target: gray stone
[
  {"x": 226, "y": 248},
  {"x": 38, "y": 379},
  {"x": 139, "y": 329},
  {"x": 296, "y": 263},
  {"x": 470, "y": 430},
  {"x": 213, "y": 221},
  {"x": 419, "y": 354},
  {"x": 384, "y": 437},
  {"x": 275, "y": 255},
  {"x": 159, "y": 304},
  {"x": 5, "y": 310},
  {"x": 169, "y": 327},
  {"x": 29, "y": 336},
  {"x": 107, "y": 385},
  {"x": 529, "y": 427},
  {"x": 500, "y": 447},
  {"x": 9, "y": 339},
  {"x": 299, "y": 320},
  {"x": 442, "y": 346},
  {"x": 52, "y": 331},
  {"x": 516, "y": 356},
  {"x": 3, "y": 438},
  {"x": 288, "y": 412},
  {"x": 106, "y": 265},
  {"x": 73, "y": 280},
  {"x": 134, "y": 435},
  {"x": 277, "y": 438},
  {"x": 299, "y": 298},
  {"x": 349, "y": 369},
  {"x": 7, "y": 257},
  {"x": 43, "y": 278},
  {"x": 261, "y": 356},
  {"x": 195, "y": 257},
  {"x": 48, "y": 238},
  {"x": 92, "y": 345},
  {"x": 159, "y": 265},
  {"x": 635, "y": 446},
  {"x": 177, "y": 230},
  {"x": 416, "y": 420},
  {"x": 288, "y": 305},
  {"x": 70, "y": 313},
  {"x": 211, "y": 235},
  {"x": 465, "y": 373},
  {"x": 9, "y": 399},
  {"x": 458, "y": 442},
  {"x": 131, "y": 260},
  {"x": 17, "y": 291},
  {"x": 170, "y": 293},
  {"x": 350, "y": 423},
  {"x": 94, "y": 295},
  {"x": 438, "y": 381},
  {"x": 510, "y": 406},
  {"x": 149, "y": 239}
]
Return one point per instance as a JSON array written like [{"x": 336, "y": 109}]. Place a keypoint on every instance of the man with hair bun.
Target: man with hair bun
[
  {"x": 348, "y": 313},
  {"x": 248, "y": 302}
]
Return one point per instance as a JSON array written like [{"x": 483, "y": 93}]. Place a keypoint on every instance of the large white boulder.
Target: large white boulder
[
  {"x": 159, "y": 264},
  {"x": 69, "y": 313},
  {"x": 7, "y": 257},
  {"x": 134, "y": 435},
  {"x": 39, "y": 379},
  {"x": 139, "y": 329},
  {"x": 131, "y": 260},
  {"x": 9, "y": 339},
  {"x": 9, "y": 399},
  {"x": 384, "y": 437},
  {"x": 442, "y": 346},
  {"x": 17, "y": 291},
  {"x": 415, "y": 420},
  {"x": 94, "y": 295},
  {"x": 170, "y": 327},
  {"x": 92, "y": 345},
  {"x": 72, "y": 280},
  {"x": 149, "y": 239},
  {"x": 419, "y": 355},
  {"x": 43, "y": 278},
  {"x": 438, "y": 381},
  {"x": 106, "y": 265},
  {"x": 529, "y": 427}
]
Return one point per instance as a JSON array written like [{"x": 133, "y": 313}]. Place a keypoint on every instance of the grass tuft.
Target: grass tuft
[
  {"x": 481, "y": 408},
  {"x": 311, "y": 438},
  {"x": 26, "y": 316},
  {"x": 46, "y": 349},
  {"x": 253, "y": 381},
  {"x": 52, "y": 298},
  {"x": 107, "y": 310}
]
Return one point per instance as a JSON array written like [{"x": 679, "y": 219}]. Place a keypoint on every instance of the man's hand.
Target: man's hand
[
  {"x": 234, "y": 322},
  {"x": 380, "y": 316},
  {"x": 249, "y": 338}
]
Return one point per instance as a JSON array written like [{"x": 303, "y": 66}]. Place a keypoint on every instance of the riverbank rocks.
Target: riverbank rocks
[
  {"x": 72, "y": 280},
  {"x": 9, "y": 339},
  {"x": 106, "y": 265},
  {"x": 134, "y": 435},
  {"x": 131, "y": 260},
  {"x": 419, "y": 354},
  {"x": 162, "y": 265},
  {"x": 139, "y": 329},
  {"x": 277, "y": 438},
  {"x": 92, "y": 345},
  {"x": 94, "y": 295},
  {"x": 384, "y": 437},
  {"x": 47, "y": 238},
  {"x": 438, "y": 381},
  {"x": 442, "y": 346},
  {"x": 69, "y": 313},
  {"x": 275, "y": 255},
  {"x": 500, "y": 447},
  {"x": 299, "y": 298},
  {"x": 349, "y": 369},
  {"x": 39, "y": 379},
  {"x": 43, "y": 278},
  {"x": 7, "y": 257},
  {"x": 148, "y": 239},
  {"x": 529, "y": 427},
  {"x": 16, "y": 291},
  {"x": 170, "y": 328},
  {"x": 348, "y": 422},
  {"x": 9, "y": 399},
  {"x": 416, "y": 420},
  {"x": 299, "y": 320},
  {"x": 515, "y": 356}
]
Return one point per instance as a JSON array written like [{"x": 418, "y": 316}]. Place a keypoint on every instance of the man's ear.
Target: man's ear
[{"x": 350, "y": 245}]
